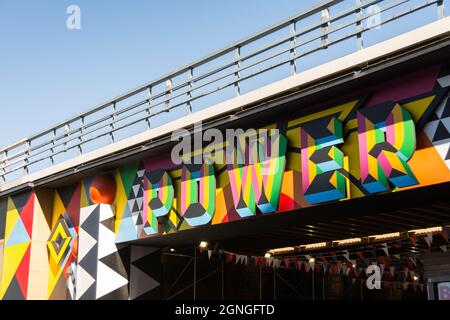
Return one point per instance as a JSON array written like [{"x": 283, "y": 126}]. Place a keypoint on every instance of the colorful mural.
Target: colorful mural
[
  {"x": 68, "y": 243},
  {"x": 378, "y": 142}
]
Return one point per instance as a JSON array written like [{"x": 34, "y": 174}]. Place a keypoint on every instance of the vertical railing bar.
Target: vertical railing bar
[
  {"x": 5, "y": 162},
  {"x": 114, "y": 116},
  {"x": 66, "y": 130},
  {"x": 359, "y": 36},
  {"x": 149, "y": 111},
  {"x": 169, "y": 85},
  {"x": 237, "y": 74},
  {"x": 293, "y": 51},
  {"x": 440, "y": 9},
  {"x": 80, "y": 139},
  {"x": 52, "y": 150},
  {"x": 26, "y": 160},
  {"x": 189, "y": 95},
  {"x": 324, "y": 17}
]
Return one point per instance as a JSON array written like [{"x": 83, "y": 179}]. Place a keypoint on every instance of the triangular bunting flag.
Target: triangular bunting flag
[
  {"x": 429, "y": 239},
  {"x": 287, "y": 263},
  {"x": 307, "y": 267},
  {"x": 385, "y": 249},
  {"x": 382, "y": 267},
  {"x": 346, "y": 255}
]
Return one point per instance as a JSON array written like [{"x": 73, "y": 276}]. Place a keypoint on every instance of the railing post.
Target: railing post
[
  {"x": 440, "y": 9},
  {"x": 168, "y": 93},
  {"x": 66, "y": 131},
  {"x": 26, "y": 160},
  {"x": 189, "y": 94},
  {"x": 52, "y": 150},
  {"x": 359, "y": 36},
  {"x": 5, "y": 162},
  {"x": 149, "y": 111},
  {"x": 80, "y": 139},
  {"x": 293, "y": 51},
  {"x": 324, "y": 17},
  {"x": 114, "y": 116},
  {"x": 237, "y": 74}
]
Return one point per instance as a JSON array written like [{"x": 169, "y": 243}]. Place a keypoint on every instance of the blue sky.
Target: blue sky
[{"x": 48, "y": 73}]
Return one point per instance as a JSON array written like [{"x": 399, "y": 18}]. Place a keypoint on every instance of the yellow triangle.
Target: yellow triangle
[
  {"x": 417, "y": 108},
  {"x": 83, "y": 200},
  {"x": 11, "y": 220},
  {"x": 12, "y": 257},
  {"x": 58, "y": 209},
  {"x": 333, "y": 179}
]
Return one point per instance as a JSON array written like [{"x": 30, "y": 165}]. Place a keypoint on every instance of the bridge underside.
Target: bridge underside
[{"x": 394, "y": 212}]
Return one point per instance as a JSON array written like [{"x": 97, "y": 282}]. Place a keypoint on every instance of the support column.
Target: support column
[{"x": 39, "y": 259}]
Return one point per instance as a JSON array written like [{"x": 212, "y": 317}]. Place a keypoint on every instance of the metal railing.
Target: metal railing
[{"x": 229, "y": 68}]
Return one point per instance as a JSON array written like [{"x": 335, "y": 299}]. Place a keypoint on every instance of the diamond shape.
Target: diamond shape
[{"x": 60, "y": 241}]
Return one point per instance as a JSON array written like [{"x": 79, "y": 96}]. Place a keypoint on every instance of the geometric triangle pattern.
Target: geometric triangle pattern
[
  {"x": 100, "y": 271},
  {"x": 16, "y": 246},
  {"x": 438, "y": 130},
  {"x": 126, "y": 211},
  {"x": 136, "y": 199},
  {"x": 112, "y": 280},
  {"x": 145, "y": 273},
  {"x": 88, "y": 251}
]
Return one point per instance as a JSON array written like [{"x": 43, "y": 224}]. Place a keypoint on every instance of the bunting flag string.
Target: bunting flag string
[{"x": 396, "y": 269}]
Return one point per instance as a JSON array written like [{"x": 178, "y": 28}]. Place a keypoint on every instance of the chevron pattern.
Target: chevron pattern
[
  {"x": 438, "y": 130},
  {"x": 100, "y": 271}
]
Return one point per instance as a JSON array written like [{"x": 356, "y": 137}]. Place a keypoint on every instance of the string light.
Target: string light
[
  {"x": 347, "y": 241},
  {"x": 315, "y": 245},
  {"x": 425, "y": 231},
  {"x": 386, "y": 236},
  {"x": 282, "y": 250}
]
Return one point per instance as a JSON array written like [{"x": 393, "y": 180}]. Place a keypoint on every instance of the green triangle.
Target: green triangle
[{"x": 128, "y": 173}]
